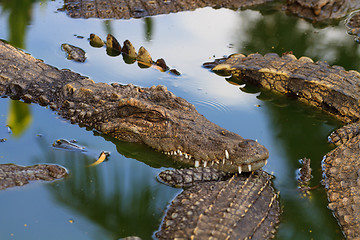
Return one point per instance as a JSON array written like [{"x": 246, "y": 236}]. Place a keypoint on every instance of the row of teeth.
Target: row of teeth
[
  {"x": 197, "y": 162},
  {"x": 186, "y": 155},
  {"x": 180, "y": 153}
]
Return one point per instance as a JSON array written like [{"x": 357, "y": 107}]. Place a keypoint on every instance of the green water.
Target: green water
[{"x": 121, "y": 197}]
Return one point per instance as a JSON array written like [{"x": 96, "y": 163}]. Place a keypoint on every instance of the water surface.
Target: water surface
[{"x": 121, "y": 196}]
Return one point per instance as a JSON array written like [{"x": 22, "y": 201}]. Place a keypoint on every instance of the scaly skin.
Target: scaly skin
[
  {"x": 341, "y": 167},
  {"x": 121, "y": 9},
  {"x": 192, "y": 176},
  {"x": 330, "y": 88},
  {"x": 315, "y": 10},
  {"x": 152, "y": 116},
  {"x": 241, "y": 207},
  {"x": 12, "y": 175}
]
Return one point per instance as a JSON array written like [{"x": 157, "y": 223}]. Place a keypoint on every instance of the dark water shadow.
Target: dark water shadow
[{"x": 118, "y": 196}]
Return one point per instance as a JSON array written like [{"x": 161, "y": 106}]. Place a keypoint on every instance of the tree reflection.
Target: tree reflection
[
  {"x": 279, "y": 33},
  {"x": 19, "y": 117},
  {"x": 20, "y": 15},
  {"x": 118, "y": 196},
  {"x": 149, "y": 25}
]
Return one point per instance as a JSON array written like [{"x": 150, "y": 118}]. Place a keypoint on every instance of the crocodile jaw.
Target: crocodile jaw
[{"x": 249, "y": 156}]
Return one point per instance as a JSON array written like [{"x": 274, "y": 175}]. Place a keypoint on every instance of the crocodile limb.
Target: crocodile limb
[
  {"x": 12, "y": 175},
  {"x": 237, "y": 207},
  {"x": 329, "y": 88},
  {"x": 152, "y": 116},
  {"x": 120, "y": 9}
]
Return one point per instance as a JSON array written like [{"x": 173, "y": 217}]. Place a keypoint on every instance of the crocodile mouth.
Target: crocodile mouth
[{"x": 227, "y": 163}]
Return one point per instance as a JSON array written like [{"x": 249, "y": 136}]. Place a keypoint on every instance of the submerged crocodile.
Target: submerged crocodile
[
  {"x": 330, "y": 88},
  {"x": 12, "y": 175},
  {"x": 315, "y": 10}
]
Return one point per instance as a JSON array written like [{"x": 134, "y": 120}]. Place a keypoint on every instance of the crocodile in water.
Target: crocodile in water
[
  {"x": 230, "y": 207},
  {"x": 152, "y": 116},
  {"x": 315, "y": 10},
  {"x": 141, "y": 8},
  {"x": 12, "y": 175},
  {"x": 330, "y": 88}
]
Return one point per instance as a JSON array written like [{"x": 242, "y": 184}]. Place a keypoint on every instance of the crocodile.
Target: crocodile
[
  {"x": 119, "y": 9},
  {"x": 153, "y": 116},
  {"x": 12, "y": 175},
  {"x": 314, "y": 10},
  {"x": 330, "y": 88},
  {"x": 157, "y": 118},
  {"x": 218, "y": 205}
]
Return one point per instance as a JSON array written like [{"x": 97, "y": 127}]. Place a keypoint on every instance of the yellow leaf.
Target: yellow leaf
[{"x": 100, "y": 160}]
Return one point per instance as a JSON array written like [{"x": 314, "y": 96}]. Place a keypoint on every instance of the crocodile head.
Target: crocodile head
[
  {"x": 156, "y": 117},
  {"x": 153, "y": 116}
]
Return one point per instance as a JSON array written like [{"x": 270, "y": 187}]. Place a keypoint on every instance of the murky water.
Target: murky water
[{"x": 121, "y": 196}]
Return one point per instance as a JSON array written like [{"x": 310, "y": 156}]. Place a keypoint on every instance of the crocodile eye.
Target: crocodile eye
[
  {"x": 154, "y": 116},
  {"x": 148, "y": 115}
]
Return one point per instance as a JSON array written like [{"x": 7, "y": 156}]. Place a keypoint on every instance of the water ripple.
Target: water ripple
[{"x": 213, "y": 105}]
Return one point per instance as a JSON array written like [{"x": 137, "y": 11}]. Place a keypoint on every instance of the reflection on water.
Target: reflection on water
[
  {"x": 19, "y": 19},
  {"x": 121, "y": 200},
  {"x": 19, "y": 117},
  {"x": 148, "y": 24},
  {"x": 291, "y": 34},
  {"x": 121, "y": 197}
]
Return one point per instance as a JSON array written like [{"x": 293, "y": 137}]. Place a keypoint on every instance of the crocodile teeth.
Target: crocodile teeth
[
  {"x": 197, "y": 163},
  {"x": 186, "y": 156},
  {"x": 226, "y": 154},
  {"x": 212, "y": 163},
  {"x": 205, "y": 163},
  {"x": 239, "y": 169},
  {"x": 249, "y": 167},
  {"x": 265, "y": 162},
  {"x": 179, "y": 152},
  {"x": 223, "y": 161},
  {"x": 175, "y": 153}
]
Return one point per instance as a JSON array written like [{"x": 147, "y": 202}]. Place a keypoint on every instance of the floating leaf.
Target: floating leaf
[{"x": 102, "y": 158}]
